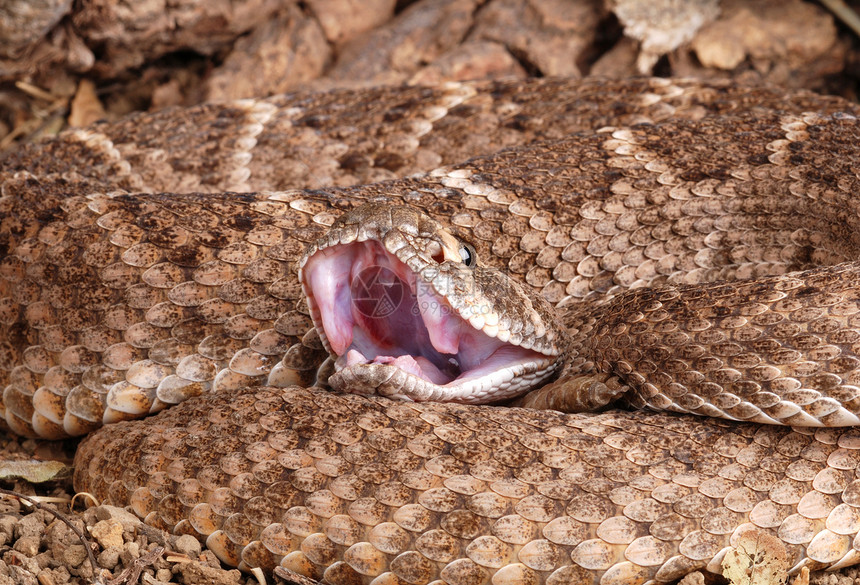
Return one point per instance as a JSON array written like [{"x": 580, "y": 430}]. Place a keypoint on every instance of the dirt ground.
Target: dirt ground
[{"x": 67, "y": 64}]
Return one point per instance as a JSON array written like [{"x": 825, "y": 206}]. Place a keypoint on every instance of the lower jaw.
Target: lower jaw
[{"x": 392, "y": 382}]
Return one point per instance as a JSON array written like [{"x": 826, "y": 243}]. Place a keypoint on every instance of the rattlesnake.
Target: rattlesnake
[{"x": 115, "y": 302}]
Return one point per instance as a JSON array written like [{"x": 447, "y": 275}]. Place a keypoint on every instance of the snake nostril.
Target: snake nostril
[{"x": 435, "y": 251}]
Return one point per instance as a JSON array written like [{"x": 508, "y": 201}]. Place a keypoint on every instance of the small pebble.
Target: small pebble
[
  {"x": 45, "y": 558},
  {"x": 694, "y": 578},
  {"x": 10, "y": 506},
  {"x": 22, "y": 576},
  {"x": 28, "y": 545},
  {"x": 187, "y": 545},
  {"x": 208, "y": 558},
  {"x": 148, "y": 579},
  {"x": 108, "y": 533},
  {"x": 29, "y": 564},
  {"x": 74, "y": 555},
  {"x": 7, "y": 525},
  {"x": 31, "y": 525},
  {"x": 197, "y": 573},
  {"x": 61, "y": 575},
  {"x": 109, "y": 558},
  {"x": 130, "y": 552},
  {"x": 106, "y": 512}
]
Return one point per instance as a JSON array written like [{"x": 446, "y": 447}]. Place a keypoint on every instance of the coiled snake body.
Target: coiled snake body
[{"x": 115, "y": 302}]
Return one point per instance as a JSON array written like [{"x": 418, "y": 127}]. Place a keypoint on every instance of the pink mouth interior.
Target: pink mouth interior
[{"x": 374, "y": 309}]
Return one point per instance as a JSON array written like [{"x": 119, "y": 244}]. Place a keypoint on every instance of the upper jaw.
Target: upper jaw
[{"x": 393, "y": 333}]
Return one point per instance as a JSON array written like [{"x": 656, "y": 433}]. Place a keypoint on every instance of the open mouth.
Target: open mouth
[{"x": 372, "y": 309}]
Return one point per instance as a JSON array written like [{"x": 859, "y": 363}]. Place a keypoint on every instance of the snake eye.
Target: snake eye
[{"x": 468, "y": 254}]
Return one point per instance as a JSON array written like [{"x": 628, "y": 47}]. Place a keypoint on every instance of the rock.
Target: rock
[
  {"x": 342, "y": 20},
  {"x": 109, "y": 558},
  {"x": 7, "y": 525},
  {"x": 283, "y": 53},
  {"x": 187, "y": 545},
  {"x": 550, "y": 37},
  {"x": 130, "y": 552},
  {"x": 788, "y": 42},
  {"x": 27, "y": 545},
  {"x": 23, "y": 23},
  {"x": 199, "y": 574},
  {"x": 471, "y": 60},
  {"x": 695, "y": 578},
  {"x": 661, "y": 26},
  {"x": 108, "y": 533},
  {"x": 418, "y": 35},
  {"x": 128, "y": 520},
  {"x": 75, "y": 555},
  {"x": 22, "y": 576},
  {"x": 30, "y": 525}
]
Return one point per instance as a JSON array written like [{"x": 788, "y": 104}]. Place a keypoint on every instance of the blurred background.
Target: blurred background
[{"x": 68, "y": 63}]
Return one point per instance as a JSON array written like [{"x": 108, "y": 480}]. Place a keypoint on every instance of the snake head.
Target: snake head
[{"x": 407, "y": 310}]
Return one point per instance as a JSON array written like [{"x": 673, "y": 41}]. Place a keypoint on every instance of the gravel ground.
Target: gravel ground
[{"x": 38, "y": 548}]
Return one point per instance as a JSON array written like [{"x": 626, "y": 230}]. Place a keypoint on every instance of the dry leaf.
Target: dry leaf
[
  {"x": 34, "y": 471},
  {"x": 759, "y": 558},
  {"x": 86, "y": 107}
]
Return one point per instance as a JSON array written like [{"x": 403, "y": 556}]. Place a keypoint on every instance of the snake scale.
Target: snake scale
[{"x": 154, "y": 261}]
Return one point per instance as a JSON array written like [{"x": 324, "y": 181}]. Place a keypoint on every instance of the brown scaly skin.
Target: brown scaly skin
[
  {"x": 345, "y": 488},
  {"x": 758, "y": 190}
]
